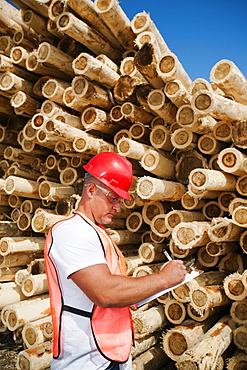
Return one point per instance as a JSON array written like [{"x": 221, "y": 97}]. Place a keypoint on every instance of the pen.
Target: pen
[{"x": 167, "y": 255}]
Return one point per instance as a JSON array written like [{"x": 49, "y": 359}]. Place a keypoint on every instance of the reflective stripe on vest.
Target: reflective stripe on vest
[{"x": 112, "y": 328}]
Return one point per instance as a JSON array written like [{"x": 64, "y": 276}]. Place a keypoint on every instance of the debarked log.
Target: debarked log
[
  {"x": 217, "y": 106},
  {"x": 149, "y": 321},
  {"x": 234, "y": 287},
  {"x": 20, "y": 244},
  {"x": 86, "y": 35},
  {"x": 227, "y": 76},
  {"x": 204, "y": 179},
  {"x": 157, "y": 189},
  {"x": 34, "y": 285},
  {"x": 216, "y": 340},
  {"x": 85, "y": 64},
  {"x": 191, "y": 234},
  {"x": 37, "y": 332},
  {"x": 33, "y": 358},
  {"x": 202, "y": 298}
]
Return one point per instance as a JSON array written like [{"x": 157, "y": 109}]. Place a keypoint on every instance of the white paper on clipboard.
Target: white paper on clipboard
[{"x": 188, "y": 277}]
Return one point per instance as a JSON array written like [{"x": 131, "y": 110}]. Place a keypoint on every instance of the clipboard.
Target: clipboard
[{"x": 188, "y": 277}]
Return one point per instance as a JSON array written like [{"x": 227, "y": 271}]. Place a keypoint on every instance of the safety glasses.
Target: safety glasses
[{"x": 111, "y": 197}]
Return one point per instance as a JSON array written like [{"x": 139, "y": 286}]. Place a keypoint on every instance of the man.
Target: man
[{"x": 90, "y": 293}]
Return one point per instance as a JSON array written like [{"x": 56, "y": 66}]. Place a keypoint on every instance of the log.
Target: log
[
  {"x": 175, "y": 311},
  {"x": 218, "y": 106},
  {"x": 223, "y": 130},
  {"x": 228, "y": 77},
  {"x": 169, "y": 68},
  {"x": 160, "y": 138},
  {"x": 150, "y": 210},
  {"x": 239, "y": 337},
  {"x": 85, "y": 64},
  {"x": 159, "y": 227},
  {"x": 24, "y": 104},
  {"x": 189, "y": 235},
  {"x": 63, "y": 130},
  {"x": 35, "y": 333},
  {"x": 54, "y": 191},
  {"x": 208, "y": 145},
  {"x": 238, "y": 311},
  {"x": 178, "y": 252},
  {"x": 108, "y": 62},
  {"x": 43, "y": 220},
  {"x": 145, "y": 61},
  {"x": 142, "y": 22},
  {"x": 86, "y": 10},
  {"x": 216, "y": 249},
  {"x": 174, "y": 217},
  {"x": 39, "y": 357},
  {"x": 223, "y": 229},
  {"x": 231, "y": 161},
  {"x": 159, "y": 163},
  {"x": 134, "y": 222},
  {"x": 149, "y": 321},
  {"x": 50, "y": 108},
  {"x": 12, "y": 83},
  {"x": 72, "y": 101},
  {"x": 232, "y": 262},
  {"x": 9, "y": 297},
  {"x": 7, "y": 274},
  {"x": 234, "y": 287},
  {"x": 238, "y": 359},
  {"x": 15, "y": 244},
  {"x": 56, "y": 58},
  {"x": 187, "y": 160},
  {"x": 127, "y": 67},
  {"x": 199, "y": 123},
  {"x": 162, "y": 106},
  {"x": 36, "y": 22},
  {"x": 33, "y": 65},
  {"x": 8, "y": 228},
  {"x": 157, "y": 189},
  {"x": 151, "y": 252},
  {"x": 225, "y": 198},
  {"x": 91, "y": 93},
  {"x": 205, "y": 259},
  {"x": 202, "y": 298},
  {"x": 131, "y": 148},
  {"x": 86, "y": 35},
  {"x": 20, "y": 275},
  {"x": 243, "y": 242},
  {"x": 115, "y": 18},
  {"x": 97, "y": 120},
  {"x": 182, "y": 293},
  {"x": 54, "y": 90},
  {"x": 216, "y": 340},
  {"x": 212, "y": 210},
  {"x": 140, "y": 132},
  {"x": 136, "y": 114},
  {"x": 21, "y": 187},
  {"x": 34, "y": 285},
  {"x": 179, "y": 339},
  {"x": 143, "y": 344},
  {"x": 151, "y": 359},
  {"x": 204, "y": 179},
  {"x": 191, "y": 203},
  {"x": 177, "y": 93},
  {"x": 121, "y": 237},
  {"x": 16, "y": 259}
]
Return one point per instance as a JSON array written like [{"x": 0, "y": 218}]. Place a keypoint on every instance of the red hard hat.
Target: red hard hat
[{"x": 113, "y": 170}]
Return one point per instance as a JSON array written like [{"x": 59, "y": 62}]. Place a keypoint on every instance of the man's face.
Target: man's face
[{"x": 106, "y": 203}]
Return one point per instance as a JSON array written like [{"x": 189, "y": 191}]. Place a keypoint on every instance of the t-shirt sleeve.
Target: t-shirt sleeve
[{"x": 76, "y": 245}]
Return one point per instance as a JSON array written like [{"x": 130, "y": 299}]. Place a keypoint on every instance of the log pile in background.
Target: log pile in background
[{"x": 78, "y": 78}]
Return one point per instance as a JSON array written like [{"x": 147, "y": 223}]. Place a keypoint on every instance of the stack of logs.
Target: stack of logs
[{"x": 78, "y": 78}]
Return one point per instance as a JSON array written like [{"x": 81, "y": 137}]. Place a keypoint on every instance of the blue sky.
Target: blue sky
[{"x": 200, "y": 33}]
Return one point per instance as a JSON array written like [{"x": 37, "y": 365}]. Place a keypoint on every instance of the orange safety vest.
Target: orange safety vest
[{"x": 112, "y": 328}]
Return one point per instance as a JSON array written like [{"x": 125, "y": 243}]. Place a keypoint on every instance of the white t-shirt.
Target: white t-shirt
[{"x": 76, "y": 245}]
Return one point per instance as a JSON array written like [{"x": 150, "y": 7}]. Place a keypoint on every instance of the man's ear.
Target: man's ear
[{"x": 90, "y": 190}]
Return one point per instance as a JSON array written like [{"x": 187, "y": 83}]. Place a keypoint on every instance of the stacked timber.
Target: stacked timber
[{"x": 77, "y": 78}]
